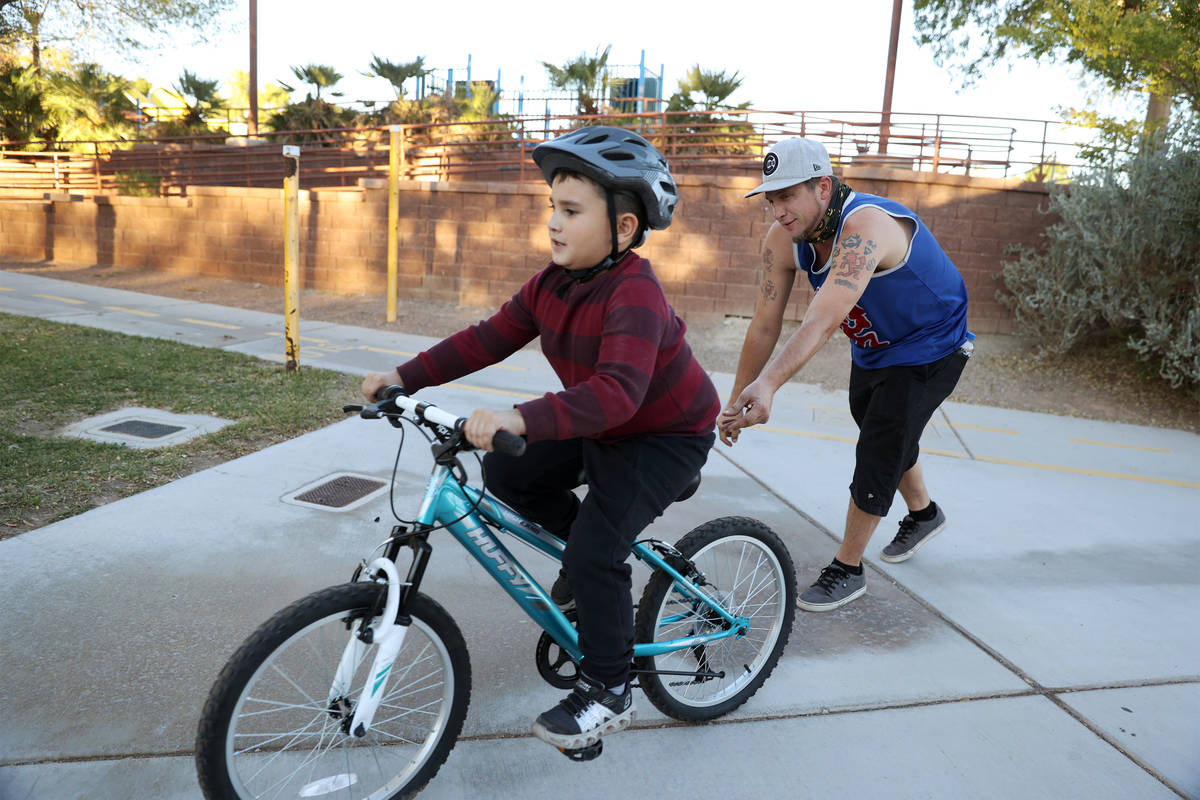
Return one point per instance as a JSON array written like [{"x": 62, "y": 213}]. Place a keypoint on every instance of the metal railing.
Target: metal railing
[{"x": 499, "y": 150}]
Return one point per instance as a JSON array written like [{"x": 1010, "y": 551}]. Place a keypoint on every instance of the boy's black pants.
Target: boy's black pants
[{"x": 630, "y": 483}]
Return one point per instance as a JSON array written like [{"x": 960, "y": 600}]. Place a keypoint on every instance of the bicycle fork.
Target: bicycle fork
[{"x": 386, "y": 631}]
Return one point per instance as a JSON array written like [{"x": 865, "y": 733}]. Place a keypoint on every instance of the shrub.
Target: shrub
[
  {"x": 1124, "y": 256},
  {"x": 138, "y": 183}
]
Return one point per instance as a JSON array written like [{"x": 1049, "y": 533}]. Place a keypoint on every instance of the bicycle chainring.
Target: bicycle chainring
[{"x": 554, "y": 665}]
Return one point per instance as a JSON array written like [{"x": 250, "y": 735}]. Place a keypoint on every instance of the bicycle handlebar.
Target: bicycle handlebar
[{"x": 503, "y": 441}]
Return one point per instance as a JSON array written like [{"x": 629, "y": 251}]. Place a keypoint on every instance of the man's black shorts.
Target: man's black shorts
[{"x": 892, "y": 406}]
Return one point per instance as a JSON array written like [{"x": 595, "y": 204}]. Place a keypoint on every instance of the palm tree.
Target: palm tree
[
  {"x": 89, "y": 103},
  {"x": 199, "y": 97},
  {"x": 22, "y": 115},
  {"x": 321, "y": 76},
  {"x": 715, "y": 86},
  {"x": 586, "y": 75},
  {"x": 396, "y": 74}
]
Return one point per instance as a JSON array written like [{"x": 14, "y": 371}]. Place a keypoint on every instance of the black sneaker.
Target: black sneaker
[
  {"x": 582, "y": 717},
  {"x": 911, "y": 536},
  {"x": 834, "y": 588},
  {"x": 561, "y": 593}
]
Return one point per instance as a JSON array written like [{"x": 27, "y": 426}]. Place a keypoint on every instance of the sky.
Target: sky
[{"x": 815, "y": 56}]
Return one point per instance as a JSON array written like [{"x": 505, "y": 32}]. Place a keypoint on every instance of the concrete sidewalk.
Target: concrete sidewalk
[{"x": 1046, "y": 645}]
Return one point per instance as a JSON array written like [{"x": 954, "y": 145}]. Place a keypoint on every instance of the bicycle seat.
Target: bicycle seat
[{"x": 687, "y": 492}]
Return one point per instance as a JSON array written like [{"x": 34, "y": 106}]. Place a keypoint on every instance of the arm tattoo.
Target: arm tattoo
[
  {"x": 768, "y": 290},
  {"x": 768, "y": 260},
  {"x": 852, "y": 265}
]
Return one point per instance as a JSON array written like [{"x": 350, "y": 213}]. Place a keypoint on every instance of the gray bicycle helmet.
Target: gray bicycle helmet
[{"x": 617, "y": 159}]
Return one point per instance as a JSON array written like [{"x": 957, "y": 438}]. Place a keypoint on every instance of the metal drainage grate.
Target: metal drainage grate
[
  {"x": 340, "y": 492},
  {"x": 143, "y": 428}
]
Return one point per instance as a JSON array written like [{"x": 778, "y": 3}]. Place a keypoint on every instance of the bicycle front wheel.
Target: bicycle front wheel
[
  {"x": 749, "y": 571},
  {"x": 270, "y": 729}
]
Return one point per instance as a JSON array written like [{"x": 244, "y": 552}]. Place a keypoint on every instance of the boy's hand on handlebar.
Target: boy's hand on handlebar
[
  {"x": 379, "y": 380},
  {"x": 484, "y": 422}
]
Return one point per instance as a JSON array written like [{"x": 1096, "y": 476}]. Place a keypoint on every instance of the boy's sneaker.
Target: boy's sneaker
[
  {"x": 911, "y": 536},
  {"x": 834, "y": 588},
  {"x": 561, "y": 594},
  {"x": 582, "y": 717}
]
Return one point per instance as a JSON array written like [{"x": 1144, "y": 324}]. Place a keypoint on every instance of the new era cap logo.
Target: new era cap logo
[
  {"x": 770, "y": 163},
  {"x": 816, "y": 167}
]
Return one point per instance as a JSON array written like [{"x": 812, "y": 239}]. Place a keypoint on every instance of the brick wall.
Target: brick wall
[{"x": 476, "y": 243}]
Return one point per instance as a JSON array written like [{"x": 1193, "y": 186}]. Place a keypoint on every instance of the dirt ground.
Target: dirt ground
[{"x": 1100, "y": 383}]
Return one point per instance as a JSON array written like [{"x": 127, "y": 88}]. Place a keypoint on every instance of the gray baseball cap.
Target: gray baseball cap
[{"x": 792, "y": 161}]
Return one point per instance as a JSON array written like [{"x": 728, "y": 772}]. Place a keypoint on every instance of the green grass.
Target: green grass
[{"x": 53, "y": 375}]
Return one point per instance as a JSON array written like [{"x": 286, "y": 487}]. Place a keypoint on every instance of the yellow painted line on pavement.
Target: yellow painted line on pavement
[
  {"x": 1008, "y": 461},
  {"x": 979, "y": 428},
  {"x": 486, "y": 390},
  {"x": 1094, "y": 472},
  {"x": 225, "y": 325},
  {"x": 385, "y": 350},
  {"x": 1122, "y": 446},
  {"x": 808, "y": 435},
  {"x": 6, "y": 289},
  {"x": 70, "y": 300},
  {"x": 132, "y": 311}
]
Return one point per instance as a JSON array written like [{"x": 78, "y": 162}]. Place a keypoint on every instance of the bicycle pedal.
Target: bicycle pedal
[{"x": 584, "y": 753}]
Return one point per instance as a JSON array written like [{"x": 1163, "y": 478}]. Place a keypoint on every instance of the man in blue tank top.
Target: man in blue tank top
[{"x": 883, "y": 279}]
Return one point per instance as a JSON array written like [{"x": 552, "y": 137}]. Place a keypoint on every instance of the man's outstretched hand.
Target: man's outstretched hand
[{"x": 752, "y": 407}]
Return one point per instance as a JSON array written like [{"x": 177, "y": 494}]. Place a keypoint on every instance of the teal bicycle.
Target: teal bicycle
[{"x": 361, "y": 690}]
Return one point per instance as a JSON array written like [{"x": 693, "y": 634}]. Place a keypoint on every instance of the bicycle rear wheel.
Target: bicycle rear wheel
[
  {"x": 268, "y": 728},
  {"x": 748, "y": 569}
]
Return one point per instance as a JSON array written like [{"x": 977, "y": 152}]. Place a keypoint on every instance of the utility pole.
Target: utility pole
[
  {"x": 886, "y": 118},
  {"x": 252, "y": 124}
]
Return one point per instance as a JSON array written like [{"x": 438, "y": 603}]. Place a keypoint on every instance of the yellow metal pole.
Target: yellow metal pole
[
  {"x": 393, "y": 230},
  {"x": 291, "y": 255}
]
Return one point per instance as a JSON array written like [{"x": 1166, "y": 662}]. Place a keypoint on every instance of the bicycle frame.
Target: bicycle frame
[{"x": 473, "y": 519}]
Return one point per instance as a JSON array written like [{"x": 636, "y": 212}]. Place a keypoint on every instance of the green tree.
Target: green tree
[
  {"x": 313, "y": 113},
  {"x": 707, "y": 130},
  {"x": 22, "y": 114},
  {"x": 199, "y": 98},
  {"x": 715, "y": 87},
  {"x": 396, "y": 74},
  {"x": 320, "y": 76},
  {"x": 130, "y": 25},
  {"x": 88, "y": 103},
  {"x": 1143, "y": 45},
  {"x": 587, "y": 75}
]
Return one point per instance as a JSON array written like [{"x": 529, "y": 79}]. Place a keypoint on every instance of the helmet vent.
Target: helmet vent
[
  {"x": 595, "y": 139},
  {"x": 617, "y": 155},
  {"x": 666, "y": 187}
]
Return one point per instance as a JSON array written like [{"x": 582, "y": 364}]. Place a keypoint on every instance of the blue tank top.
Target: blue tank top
[{"x": 912, "y": 313}]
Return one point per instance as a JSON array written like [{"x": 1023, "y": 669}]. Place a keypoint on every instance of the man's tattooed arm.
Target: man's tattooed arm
[
  {"x": 769, "y": 292},
  {"x": 853, "y": 262}
]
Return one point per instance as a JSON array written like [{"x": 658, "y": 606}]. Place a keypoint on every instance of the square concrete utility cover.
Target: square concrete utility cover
[{"x": 145, "y": 427}]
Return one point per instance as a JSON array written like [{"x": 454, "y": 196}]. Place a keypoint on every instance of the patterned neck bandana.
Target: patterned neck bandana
[{"x": 828, "y": 225}]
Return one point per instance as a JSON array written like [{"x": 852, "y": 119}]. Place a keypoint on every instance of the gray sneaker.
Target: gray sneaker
[
  {"x": 911, "y": 536},
  {"x": 834, "y": 588}
]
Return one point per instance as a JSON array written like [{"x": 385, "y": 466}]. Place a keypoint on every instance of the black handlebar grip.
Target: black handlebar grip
[
  {"x": 508, "y": 443},
  {"x": 388, "y": 392}
]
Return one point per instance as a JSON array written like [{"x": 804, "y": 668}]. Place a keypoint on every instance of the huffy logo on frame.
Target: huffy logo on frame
[{"x": 770, "y": 163}]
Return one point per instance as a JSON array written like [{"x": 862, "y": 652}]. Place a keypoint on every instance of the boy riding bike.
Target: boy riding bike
[{"x": 635, "y": 417}]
